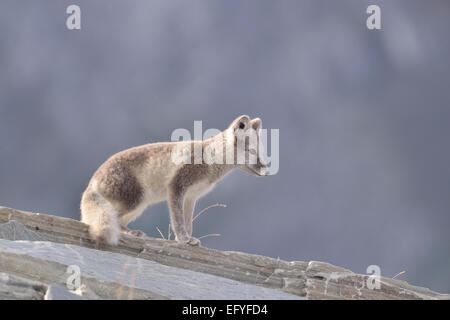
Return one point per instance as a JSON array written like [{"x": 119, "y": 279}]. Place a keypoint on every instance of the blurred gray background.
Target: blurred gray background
[{"x": 364, "y": 118}]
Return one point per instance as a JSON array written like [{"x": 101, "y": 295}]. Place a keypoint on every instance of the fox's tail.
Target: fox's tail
[{"x": 101, "y": 217}]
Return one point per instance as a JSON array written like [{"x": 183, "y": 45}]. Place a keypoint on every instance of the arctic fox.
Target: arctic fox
[{"x": 131, "y": 180}]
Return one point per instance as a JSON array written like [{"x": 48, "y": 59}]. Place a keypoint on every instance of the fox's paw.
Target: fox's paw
[
  {"x": 189, "y": 240},
  {"x": 136, "y": 233},
  {"x": 194, "y": 241}
]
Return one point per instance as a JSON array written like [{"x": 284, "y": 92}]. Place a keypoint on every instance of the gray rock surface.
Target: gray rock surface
[
  {"x": 325, "y": 281},
  {"x": 149, "y": 276},
  {"x": 17, "y": 288},
  {"x": 55, "y": 292},
  {"x": 149, "y": 268},
  {"x": 14, "y": 230}
]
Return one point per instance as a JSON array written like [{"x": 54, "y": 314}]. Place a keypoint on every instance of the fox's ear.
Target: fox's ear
[
  {"x": 256, "y": 124},
  {"x": 241, "y": 123}
]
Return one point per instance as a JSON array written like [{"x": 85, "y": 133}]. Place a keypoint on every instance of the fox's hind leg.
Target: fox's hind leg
[{"x": 128, "y": 217}]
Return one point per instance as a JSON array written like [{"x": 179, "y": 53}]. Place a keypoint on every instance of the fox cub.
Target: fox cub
[{"x": 177, "y": 172}]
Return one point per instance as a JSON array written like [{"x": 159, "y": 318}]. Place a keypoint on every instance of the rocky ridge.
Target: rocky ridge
[{"x": 50, "y": 257}]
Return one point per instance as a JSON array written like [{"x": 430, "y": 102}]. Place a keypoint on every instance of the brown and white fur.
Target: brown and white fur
[{"x": 131, "y": 180}]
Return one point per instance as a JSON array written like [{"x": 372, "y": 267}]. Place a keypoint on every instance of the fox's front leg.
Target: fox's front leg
[
  {"x": 176, "y": 202},
  {"x": 189, "y": 205}
]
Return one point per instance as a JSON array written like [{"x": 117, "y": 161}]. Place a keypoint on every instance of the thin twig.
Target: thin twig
[
  {"x": 398, "y": 274},
  {"x": 162, "y": 236},
  {"x": 210, "y": 235},
  {"x": 168, "y": 233},
  {"x": 211, "y": 206}
]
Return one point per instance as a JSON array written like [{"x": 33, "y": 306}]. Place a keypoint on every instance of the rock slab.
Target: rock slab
[
  {"x": 158, "y": 280},
  {"x": 149, "y": 268}
]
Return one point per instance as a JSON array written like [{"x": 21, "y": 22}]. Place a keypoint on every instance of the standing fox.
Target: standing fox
[{"x": 177, "y": 172}]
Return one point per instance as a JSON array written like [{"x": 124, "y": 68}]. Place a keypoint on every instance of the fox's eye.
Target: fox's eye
[{"x": 252, "y": 151}]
